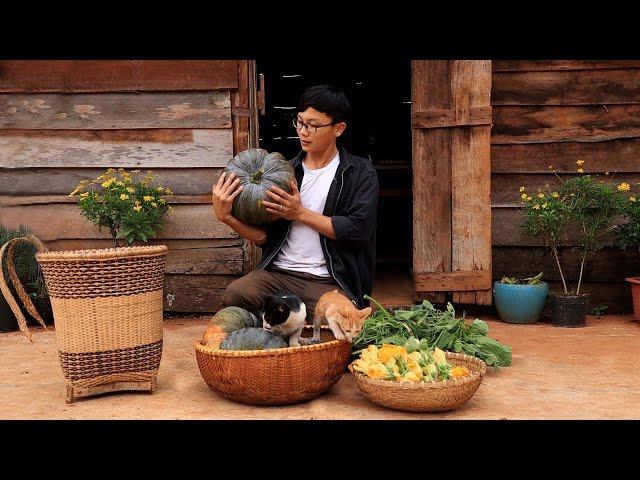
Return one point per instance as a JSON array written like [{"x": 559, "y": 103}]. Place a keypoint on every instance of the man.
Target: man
[{"x": 325, "y": 236}]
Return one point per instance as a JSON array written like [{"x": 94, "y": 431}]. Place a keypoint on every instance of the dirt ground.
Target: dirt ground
[{"x": 557, "y": 373}]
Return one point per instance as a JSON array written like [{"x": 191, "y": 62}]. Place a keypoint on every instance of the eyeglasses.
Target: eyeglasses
[{"x": 309, "y": 128}]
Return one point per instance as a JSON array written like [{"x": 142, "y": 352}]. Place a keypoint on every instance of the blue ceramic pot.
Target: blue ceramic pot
[{"x": 520, "y": 303}]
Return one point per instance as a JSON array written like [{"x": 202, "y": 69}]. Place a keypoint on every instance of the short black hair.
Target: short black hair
[{"x": 327, "y": 99}]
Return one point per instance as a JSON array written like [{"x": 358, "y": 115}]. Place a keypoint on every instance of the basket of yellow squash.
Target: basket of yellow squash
[{"x": 416, "y": 379}]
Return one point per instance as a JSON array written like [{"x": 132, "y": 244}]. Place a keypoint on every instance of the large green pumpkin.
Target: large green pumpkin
[
  {"x": 258, "y": 171},
  {"x": 227, "y": 320},
  {"x": 252, "y": 339}
]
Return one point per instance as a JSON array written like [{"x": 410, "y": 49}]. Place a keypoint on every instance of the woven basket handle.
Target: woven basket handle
[{"x": 9, "y": 247}]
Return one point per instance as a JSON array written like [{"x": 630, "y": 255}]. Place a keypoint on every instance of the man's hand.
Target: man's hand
[
  {"x": 285, "y": 205},
  {"x": 223, "y": 194}
]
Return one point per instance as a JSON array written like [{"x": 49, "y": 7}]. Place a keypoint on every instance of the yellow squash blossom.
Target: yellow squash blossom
[
  {"x": 581, "y": 170},
  {"x": 410, "y": 377},
  {"x": 124, "y": 196},
  {"x": 137, "y": 208},
  {"x": 631, "y": 199},
  {"x": 377, "y": 370},
  {"x": 580, "y": 162},
  {"x": 536, "y": 207},
  {"x": 414, "y": 367},
  {"x": 388, "y": 352},
  {"x": 439, "y": 357},
  {"x": 370, "y": 354},
  {"x": 459, "y": 372},
  {"x": 361, "y": 366},
  {"x": 624, "y": 187}
]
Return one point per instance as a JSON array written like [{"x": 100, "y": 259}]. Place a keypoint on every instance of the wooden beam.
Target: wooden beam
[
  {"x": 451, "y": 118},
  {"x": 551, "y": 65},
  {"x": 117, "y": 75},
  {"x": 115, "y": 148},
  {"x": 452, "y": 281},
  {"x": 118, "y": 111}
]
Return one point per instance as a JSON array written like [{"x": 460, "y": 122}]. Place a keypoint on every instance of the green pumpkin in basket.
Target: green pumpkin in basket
[
  {"x": 227, "y": 320},
  {"x": 258, "y": 171},
  {"x": 252, "y": 339}
]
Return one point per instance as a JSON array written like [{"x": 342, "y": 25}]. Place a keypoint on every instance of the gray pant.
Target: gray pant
[{"x": 250, "y": 290}]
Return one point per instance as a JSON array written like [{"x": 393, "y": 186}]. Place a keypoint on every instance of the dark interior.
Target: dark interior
[{"x": 380, "y": 129}]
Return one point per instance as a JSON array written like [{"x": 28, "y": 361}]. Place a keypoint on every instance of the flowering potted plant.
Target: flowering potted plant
[
  {"x": 628, "y": 235},
  {"x": 580, "y": 204},
  {"x": 107, "y": 303}
]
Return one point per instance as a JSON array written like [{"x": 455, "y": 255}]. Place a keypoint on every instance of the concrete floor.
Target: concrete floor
[{"x": 557, "y": 373}]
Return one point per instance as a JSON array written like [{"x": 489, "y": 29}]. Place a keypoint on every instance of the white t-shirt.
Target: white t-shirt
[{"x": 301, "y": 250}]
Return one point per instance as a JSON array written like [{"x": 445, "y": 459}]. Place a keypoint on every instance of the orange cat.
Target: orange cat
[{"x": 343, "y": 318}]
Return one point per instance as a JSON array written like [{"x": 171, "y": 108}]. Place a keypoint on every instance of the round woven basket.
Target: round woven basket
[
  {"x": 107, "y": 307},
  {"x": 278, "y": 376},
  {"x": 425, "y": 396}
]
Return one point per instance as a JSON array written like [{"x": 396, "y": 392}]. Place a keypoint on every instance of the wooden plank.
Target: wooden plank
[
  {"x": 431, "y": 173},
  {"x": 11, "y": 200},
  {"x": 622, "y": 155},
  {"x": 62, "y": 181},
  {"x": 460, "y": 281},
  {"x": 195, "y": 293},
  {"x": 608, "y": 265},
  {"x": 60, "y": 221},
  {"x": 505, "y": 188},
  {"x": 551, "y": 65},
  {"x": 120, "y": 111},
  {"x": 116, "y": 75},
  {"x": 470, "y": 179},
  {"x": 575, "y": 87},
  {"x": 115, "y": 148},
  {"x": 194, "y": 244},
  {"x": 506, "y": 230},
  {"x": 548, "y": 124},
  {"x": 480, "y": 115}
]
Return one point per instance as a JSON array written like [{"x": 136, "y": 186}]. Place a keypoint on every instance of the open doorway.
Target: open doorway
[{"x": 380, "y": 129}]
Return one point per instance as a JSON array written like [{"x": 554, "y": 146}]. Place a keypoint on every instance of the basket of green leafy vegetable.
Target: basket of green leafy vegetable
[{"x": 439, "y": 328}]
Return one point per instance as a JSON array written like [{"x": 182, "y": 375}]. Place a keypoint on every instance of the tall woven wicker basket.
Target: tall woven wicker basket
[{"x": 107, "y": 307}]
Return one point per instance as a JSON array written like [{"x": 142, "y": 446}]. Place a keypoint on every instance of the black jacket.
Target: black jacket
[{"x": 352, "y": 204}]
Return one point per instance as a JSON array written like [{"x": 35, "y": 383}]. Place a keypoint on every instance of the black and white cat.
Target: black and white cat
[{"x": 284, "y": 314}]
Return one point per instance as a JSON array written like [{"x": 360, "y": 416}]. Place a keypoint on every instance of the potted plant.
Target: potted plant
[
  {"x": 628, "y": 235},
  {"x": 29, "y": 274},
  {"x": 520, "y": 300},
  {"x": 107, "y": 303},
  {"x": 584, "y": 206}
]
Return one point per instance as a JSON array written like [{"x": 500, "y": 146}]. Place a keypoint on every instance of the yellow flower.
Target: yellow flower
[
  {"x": 459, "y": 372},
  {"x": 439, "y": 357},
  {"x": 555, "y": 195},
  {"x": 169, "y": 191},
  {"x": 163, "y": 201},
  {"x": 580, "y": 162},
  {"x": 523, "y": 196},
  {"x": 131, "y": 190},
  {"x": 631, "y": 199},
  {"x": 529, "y": 199},
  {"x": 147, "y": 198},
  {"x": 581, "y": 170},
  {"x": 624, "y": 187},
  {"x": 108, "y": 183},
  {"x": 84, "y": 195},
  {"x": 160, "y": 189},
  {"x": 124, "y": 196},
  {"x": 414, "y": 367},
  {"x": 536, "y": 207},
  {"x": 119, "y": 183},
  {"x": 154, "y": 204},
  {"x": 522, "y": 189},
  {"x": 377, "y": 370},
  {"x": 388, "y": 352},
  {"x": 137, "y": 208},
  {"x": 410, "y": 377},
  {"x": 540, "y": 195},
  {"x": 544, "y": 205}
]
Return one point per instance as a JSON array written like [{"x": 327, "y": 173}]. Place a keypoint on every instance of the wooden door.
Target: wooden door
[{"x": 451, "y": 120}]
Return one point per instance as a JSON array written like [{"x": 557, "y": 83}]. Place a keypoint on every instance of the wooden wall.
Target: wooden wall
[
  {"x": 554, "y": 113},
  {"x": 65, "y": 121}
]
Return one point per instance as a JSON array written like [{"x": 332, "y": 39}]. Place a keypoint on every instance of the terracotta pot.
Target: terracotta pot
[{"x": 635, "y": 293}]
